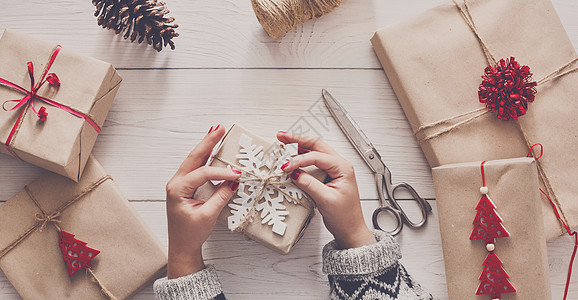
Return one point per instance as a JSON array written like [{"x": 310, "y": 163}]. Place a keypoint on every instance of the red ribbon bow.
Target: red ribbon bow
[{"x": 28, "y": 100}]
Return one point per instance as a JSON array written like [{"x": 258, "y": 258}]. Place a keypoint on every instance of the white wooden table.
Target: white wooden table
[{"x": 227, "y": 70}]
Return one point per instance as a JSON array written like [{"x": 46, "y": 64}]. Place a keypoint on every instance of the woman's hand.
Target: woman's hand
[
  {"x": 337, "y": 201},
  {"x": 191, "y": 221}
]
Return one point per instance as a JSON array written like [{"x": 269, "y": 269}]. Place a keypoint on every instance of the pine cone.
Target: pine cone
[{"x": 146, "y": 18}]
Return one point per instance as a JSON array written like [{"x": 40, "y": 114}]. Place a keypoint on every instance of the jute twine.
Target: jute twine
[
  {"x": 43, "y": 219},
  {"x": 269, "y": 179},
  {"x": 477, "y": 113},
  {"x": 279, "y": 16}
]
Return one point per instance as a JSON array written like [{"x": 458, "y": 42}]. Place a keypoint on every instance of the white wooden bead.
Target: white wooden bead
[
  {"x": 484, "y": 190},
  {"x": 490, "y": 247}
]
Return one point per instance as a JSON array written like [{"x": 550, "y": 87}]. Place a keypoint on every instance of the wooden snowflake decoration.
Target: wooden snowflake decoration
[{"x": 263, "y": 178}]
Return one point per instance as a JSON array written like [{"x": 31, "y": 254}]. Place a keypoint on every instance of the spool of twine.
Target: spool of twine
[{"x": 279, "y": 16}]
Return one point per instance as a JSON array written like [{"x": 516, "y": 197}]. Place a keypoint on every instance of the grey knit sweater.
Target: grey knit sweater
[{"x": 368, "y": 272}]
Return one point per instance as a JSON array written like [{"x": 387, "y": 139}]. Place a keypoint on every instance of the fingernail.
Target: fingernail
[
  {"x": 233, "y": 185},
  {"x": 285, "y": 165},
  {"x": 296, "y": 174},
  {"x": 237, "y": 172},
  {"x": 282, "y": 132},
  {"x": 302, "y": 150},
  {"x": 211, "y": 129},
  {"x": 217, "y": 127}
]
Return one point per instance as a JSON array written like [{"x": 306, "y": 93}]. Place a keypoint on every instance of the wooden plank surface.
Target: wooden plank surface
[{"x": 227, "y": 70}]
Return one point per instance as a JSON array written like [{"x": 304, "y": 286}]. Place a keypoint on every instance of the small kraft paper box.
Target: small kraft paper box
[
  {"x": 99, "y": 217},
  {"x": 54, "y": 103},
  {"x": 513, "y": 188},
  {"x": 267, "y": 207},
  {"x": 435, "y": 65}
]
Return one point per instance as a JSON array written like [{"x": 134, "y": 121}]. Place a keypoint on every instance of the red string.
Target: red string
[
  {"x": 532, "y": 148},
  {"x": 569, "y": 275},
  {"x": 575, "y": 243},
  {"x": 483, "y": 174}
]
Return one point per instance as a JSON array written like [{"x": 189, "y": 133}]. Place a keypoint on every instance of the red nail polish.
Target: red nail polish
[
  {"x": 302, "y": 150},
  {"x": 211, "y": 129},
  {"x": 233, "y": 185},
  {"x": 285, "y": 165},
  {"x": 237, "y": 172},
  {"x": 217, "y": 127},
  {"x": 295, "y": 174},
  {"x": 282, "y": 132}
]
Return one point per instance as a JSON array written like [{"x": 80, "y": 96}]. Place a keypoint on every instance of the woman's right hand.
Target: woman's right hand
[{"x": 338, "y": 200}]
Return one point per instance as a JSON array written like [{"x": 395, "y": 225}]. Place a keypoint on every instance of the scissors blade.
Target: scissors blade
[{"x": 354, "y": 133}]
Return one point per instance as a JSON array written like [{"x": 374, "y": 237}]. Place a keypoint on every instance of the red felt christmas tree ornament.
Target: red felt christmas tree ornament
[
  {"x": 488, "y": 227},
  {"x": 507, "y": 88},
  {"x": 75, "y": 253}
]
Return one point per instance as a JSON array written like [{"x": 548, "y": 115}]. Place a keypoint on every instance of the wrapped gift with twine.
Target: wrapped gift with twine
[
  {"x": 512, "y": 185},
  {"x": 54, "y": 103},
  {"x": 460, "y": 112},
  {"x": 267, "y": 207},
  {"x": 65, "y": 240}
]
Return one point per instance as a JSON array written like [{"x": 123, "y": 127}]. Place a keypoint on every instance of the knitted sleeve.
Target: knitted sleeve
[
  {"x": 203, "y": 285},
  {"x": 370, "y": 272}
]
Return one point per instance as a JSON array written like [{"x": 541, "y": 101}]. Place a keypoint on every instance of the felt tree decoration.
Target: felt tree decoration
[
  {"x": 143, "y": 18},
  {"x": 487, "y": 223},
  {"x": 75, "y": 253},
  {"x": 487, "y": 227},
  {"x": 494, "y": 279}
]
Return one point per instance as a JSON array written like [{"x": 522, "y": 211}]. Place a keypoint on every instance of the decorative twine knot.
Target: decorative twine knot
[{"x": 45, "y": 219}]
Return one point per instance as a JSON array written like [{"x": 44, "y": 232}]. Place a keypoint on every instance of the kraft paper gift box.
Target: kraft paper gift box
[
  {"x": 513, "y": 188},
  {"x": 130, "y": 255},
  {"x": 434, "y": 63},
  {"x": 279, "y": 236},
  {"x": 62, "y": 142}
]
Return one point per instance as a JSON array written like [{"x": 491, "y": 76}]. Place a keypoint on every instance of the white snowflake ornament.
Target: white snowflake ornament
[{"x": 263, "y": 185}]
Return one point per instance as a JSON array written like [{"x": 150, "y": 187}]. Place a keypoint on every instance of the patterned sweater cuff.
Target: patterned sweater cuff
[
  {"x": 363, "y": 260},
  {"x": 202, "y": 285}
]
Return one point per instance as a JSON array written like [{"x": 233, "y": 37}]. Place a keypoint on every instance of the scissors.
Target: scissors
[{"x": 382, "y": 174}]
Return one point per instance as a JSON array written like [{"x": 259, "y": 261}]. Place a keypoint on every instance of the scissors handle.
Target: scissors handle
[
  {"x": 395, "y": 212},
  {"x": 386, "y": 192}
]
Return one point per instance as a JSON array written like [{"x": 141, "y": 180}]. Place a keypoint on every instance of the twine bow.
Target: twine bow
[
  {"x": 47, "y": 219},
  {"x": 268, "y": 179},
  {"x": 30, "y": 95},
  {"x": 43, "y": 219}
]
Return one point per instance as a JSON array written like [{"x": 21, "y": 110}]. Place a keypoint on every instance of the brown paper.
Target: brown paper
[
  {"x": 63, "y": 142},
  {"x": 512, "y": 185},
  {"x": 435, "y": 64},
  {"x": 131, "y": 256},
  {"x": 299, "y": 215}
]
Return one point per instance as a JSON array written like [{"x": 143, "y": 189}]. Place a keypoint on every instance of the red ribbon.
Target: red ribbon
[
  {"x": 570, "y": 232},
  {"x": 28, "y": 100}
]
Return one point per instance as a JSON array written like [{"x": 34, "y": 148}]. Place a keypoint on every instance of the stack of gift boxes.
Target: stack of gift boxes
[
  {"x": 435, "y": 64},
  {"x": 59, "y": 236}
]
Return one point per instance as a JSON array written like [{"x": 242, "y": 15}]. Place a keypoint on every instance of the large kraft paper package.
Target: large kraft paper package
[
  {"x": 513, "y": 188},
  {"x": 435, "y": 64},
  {"x": 130, "y": 257},
  {"x": 63, "y": 142},
  {"x": 299, "y": 215}
]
